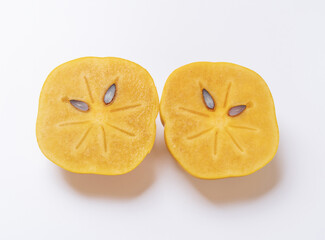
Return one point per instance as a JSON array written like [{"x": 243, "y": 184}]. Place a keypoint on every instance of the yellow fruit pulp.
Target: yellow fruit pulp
[
  {"x": 109, "y": 138},
  {"x": 209, "y": 143}
]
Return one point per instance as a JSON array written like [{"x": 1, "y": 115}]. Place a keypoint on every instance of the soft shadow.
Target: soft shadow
[
  {"x": 128, "y": 185},
  {"x": 229, "y": 190}
]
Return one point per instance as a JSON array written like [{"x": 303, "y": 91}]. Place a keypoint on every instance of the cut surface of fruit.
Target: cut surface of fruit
[
  {"x": 219, "y": 120},
  {"x": 97, "y": 115}
]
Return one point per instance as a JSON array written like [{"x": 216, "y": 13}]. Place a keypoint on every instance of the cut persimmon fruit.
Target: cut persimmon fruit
[
  {"x": 219, "y": 120},
  {"x": 97, "y": 115}
]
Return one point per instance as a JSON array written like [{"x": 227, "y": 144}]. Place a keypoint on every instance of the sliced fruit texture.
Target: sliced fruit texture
[
  {"x": 219, "y": 120},
  {"x": 97, "y": 115}
]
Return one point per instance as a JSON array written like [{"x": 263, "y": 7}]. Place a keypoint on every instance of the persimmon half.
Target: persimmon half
[
  {"x": 219, "y": 120},
  {"x": 97, "y": 115}
]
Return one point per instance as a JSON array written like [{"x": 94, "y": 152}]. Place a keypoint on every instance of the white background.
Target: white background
[{"x": 284, "y": 41}]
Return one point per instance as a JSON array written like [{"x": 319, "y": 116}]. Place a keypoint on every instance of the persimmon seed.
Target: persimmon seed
[
  {"x": 110, "y": 94},
  {"x": 235, "y": 111},
  {"x": 82, "y": 106},
  {"x": 208, "y": 100}
]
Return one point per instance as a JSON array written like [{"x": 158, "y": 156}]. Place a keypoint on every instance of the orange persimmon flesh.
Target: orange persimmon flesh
[
  {"x": 234, "y": 134},
  {"x": 105, "y": 138}
]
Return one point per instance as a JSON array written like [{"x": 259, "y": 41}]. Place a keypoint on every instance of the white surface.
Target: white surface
[{"x": 284, "y": 41}]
